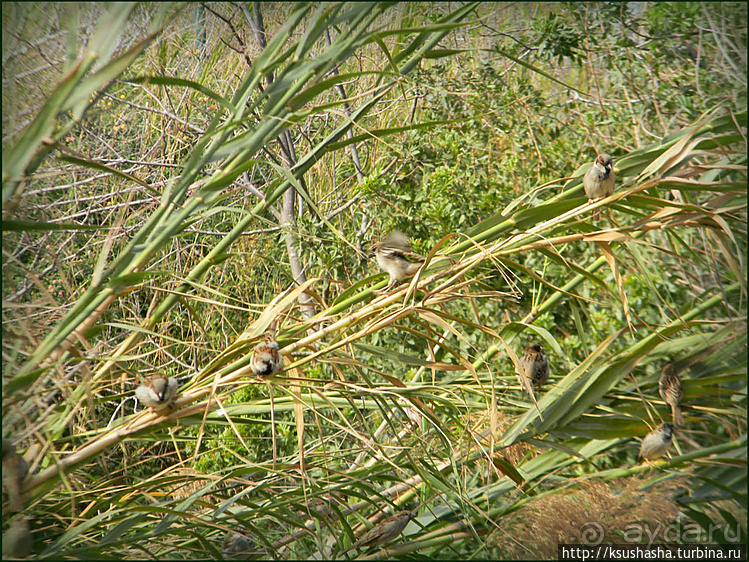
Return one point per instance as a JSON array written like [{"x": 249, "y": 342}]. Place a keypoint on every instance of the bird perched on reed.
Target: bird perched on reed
[
  {"x": 157, "y": 391},
  {"x": 237, "y": 544},
  {"x": 266, "y": 359},
  {"x": 535, "y": 365},
  {"x": 15, "y": 469},
  {"x": 671, "y": 390},
  {"x": 396, "y": 257},
  {"x": 384, "y": 532},
  {"x": 656, "y": 443},
  {"x": 599, "y": 179}
]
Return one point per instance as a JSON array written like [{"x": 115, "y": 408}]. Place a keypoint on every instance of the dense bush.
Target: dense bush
[{"x": 176, "y": 174}]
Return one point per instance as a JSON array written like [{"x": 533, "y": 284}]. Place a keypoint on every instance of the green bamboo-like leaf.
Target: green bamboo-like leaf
[
  {"x": 18, "y": 157},
  {"x": 172, "y": 81},
  {"x": 108, "y": 169},
  {"x": 63, "y": 542},
  {"x": 531, "y": 217},
  {"x": 352, "y": 430},
  {"x": 79, "y": 98},
  {"x": 403, "y": 358},
  {"x": 537, "y": 70}
]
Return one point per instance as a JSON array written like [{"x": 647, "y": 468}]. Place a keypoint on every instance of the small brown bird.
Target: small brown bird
[
  {"x": 395, "y": 256},
  {"x": 656, "y": 443},
  {"x": 157, "y": 391},
  {"x": 416, "y": 417},
  {"x": 671, "y": 390},
  {"x": 599, "y": 179},
  {"x": 15, "y": 469},
  {"x": 266, "y": 360},
  {"x": 385, "y": 531},
  {"x": 237, "y": 544},
  {"x": 17, "y": 540},
  {"x": 535, "y": 365}
]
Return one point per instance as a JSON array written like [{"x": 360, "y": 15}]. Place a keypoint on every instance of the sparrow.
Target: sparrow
[
  {"x": 15, "y": 469},
  {"x": 266, "y": 360},
  {"x": 237, "y": 544},
  {"x": 157, "y": 391},
  {"x": 385, "y": 531},
  {"x": 671, "y": 390},
  {"x": 535, "y": 367},
  {"x": 599, "y": 179},
  {"x": 656, "y": 443},
  {"x": 415, "y": 416},
  {"x": 17, "y": 541},
  {"x": 395, "y": 256}
]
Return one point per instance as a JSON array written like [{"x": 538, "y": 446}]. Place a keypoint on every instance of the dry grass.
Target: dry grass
[
  {"x": 514, "y": 454},
  {"x": 593, "y": 511},
  {"x": 353, "y": 435}
]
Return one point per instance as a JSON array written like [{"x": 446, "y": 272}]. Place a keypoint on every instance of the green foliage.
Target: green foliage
[
  {"x": 409, "y": 400},
  {"x": 672, "y": 20},
  {"x": 558, "y": 39}
]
